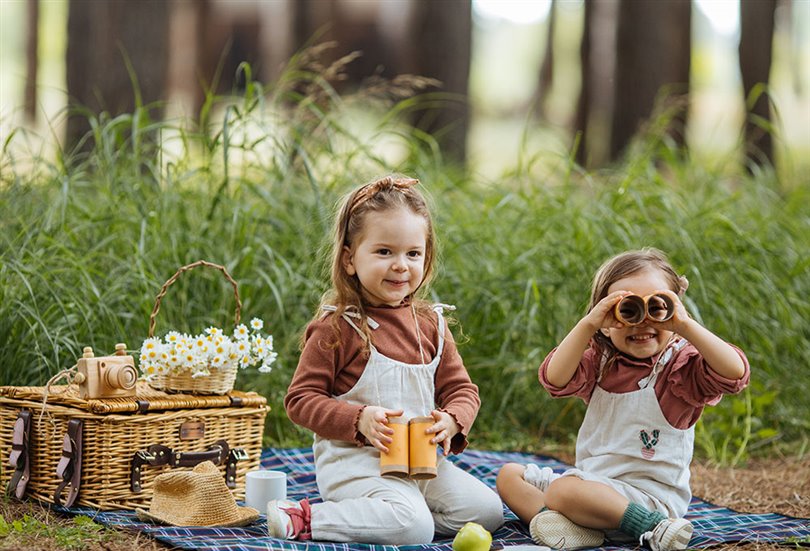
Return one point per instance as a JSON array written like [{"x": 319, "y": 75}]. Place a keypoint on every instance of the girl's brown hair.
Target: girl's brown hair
[
  {"x": 381, "y": 195},
  {"x": 624, "y": 265}
]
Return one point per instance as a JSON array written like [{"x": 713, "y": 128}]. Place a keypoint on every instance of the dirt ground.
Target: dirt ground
[{"x": 776, "y": 485}]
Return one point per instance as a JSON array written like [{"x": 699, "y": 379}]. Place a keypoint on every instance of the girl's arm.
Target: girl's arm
[
  {"x": 456, "y": 396},
  {"x": 310, "y": 401},
  {"x": 718, "y": 354},
  {"x": 564, "y": 363}
]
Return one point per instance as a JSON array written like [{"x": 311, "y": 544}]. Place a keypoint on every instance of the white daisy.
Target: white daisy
[
  {"x": 241, "y": 332},
  {"x": 265, "y": 368}
]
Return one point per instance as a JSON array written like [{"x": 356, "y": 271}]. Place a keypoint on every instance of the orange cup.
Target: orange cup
[
  {"x": 422, "y": 452},
  {"x": 395, "y": 462}
]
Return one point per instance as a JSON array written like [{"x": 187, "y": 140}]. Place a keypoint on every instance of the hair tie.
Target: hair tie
[
  {"x": 683, "y": 285},
  {"x": 369, "y": 190}
]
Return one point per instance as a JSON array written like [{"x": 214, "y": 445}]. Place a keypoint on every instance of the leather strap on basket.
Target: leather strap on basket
[
  {"x": 237, "y": 314},
  {"x": 157, "y": 455},
  {"x": 69, "y": 468},
  {"x": 20, "y": 456}
]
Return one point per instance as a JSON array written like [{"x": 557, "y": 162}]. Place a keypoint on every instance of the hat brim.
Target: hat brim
[{"x": 246, "y": 515}]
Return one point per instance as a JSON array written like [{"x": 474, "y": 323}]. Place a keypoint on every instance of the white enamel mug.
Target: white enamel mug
[{"x": 262, "y": 486}]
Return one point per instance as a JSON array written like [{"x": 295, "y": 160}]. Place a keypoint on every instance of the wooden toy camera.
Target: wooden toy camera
[
  {"x": 106, "y": 376},
  {"x": 634, "y": 309}
]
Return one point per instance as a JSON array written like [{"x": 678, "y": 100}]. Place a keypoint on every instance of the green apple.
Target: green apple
[{"x": 472, "y": 537}]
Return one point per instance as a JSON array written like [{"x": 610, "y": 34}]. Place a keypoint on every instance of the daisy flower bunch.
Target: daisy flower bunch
[{"x": 211, "y": 350}]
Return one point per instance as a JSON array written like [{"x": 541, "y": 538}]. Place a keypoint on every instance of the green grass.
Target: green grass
[
  {"x": 87, "y": 240},
  {"x": 77, "y": 534}
]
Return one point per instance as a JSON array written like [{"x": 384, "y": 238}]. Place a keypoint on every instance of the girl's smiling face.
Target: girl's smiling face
[
  {"x": 389, "y": 256},
  {"x": 643, "y": 340}
]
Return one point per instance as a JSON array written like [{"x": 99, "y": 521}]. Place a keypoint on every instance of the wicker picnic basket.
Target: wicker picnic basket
[
  {"x": 106, "y": 453},
  {"x": 219, "y": 381}
]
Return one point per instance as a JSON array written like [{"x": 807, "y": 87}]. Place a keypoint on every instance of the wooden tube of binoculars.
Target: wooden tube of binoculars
[
  {"x": 411, "y": 453},
  {"x": 634, "y": 309}
]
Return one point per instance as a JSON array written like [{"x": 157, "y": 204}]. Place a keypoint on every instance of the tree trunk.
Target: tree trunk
[
  {"x": 583, "y": 102},
  {"x": 653, "y": 48},
  {"x": 104, "y": 39},
  {"x": 756, "y": 41},
  {"x": 440, "y": 48},
  {"x": 32, "y": 60},
  {"x": 546, "y": 80},
  {"x": 312, "y": 21},
  {"x": 190, "y": 71}
]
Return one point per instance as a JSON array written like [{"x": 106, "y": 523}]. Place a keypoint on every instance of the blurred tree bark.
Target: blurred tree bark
[
  {"x": 653, "y": 50},
  {"x": 191, "y": 70},
  {"x": 441, "y": 35},
  {"x": 107, "y": 39},
  {"x": 597, "y": 81},
  {"x": 756, "y": 43},
  {"x": 546, "y": 80},
  {"x": 437, "y": 44},
  {"x": 306, "y": 20},
  {"x": 32, "y": 60},
  {"x": 583, "y": 102}
]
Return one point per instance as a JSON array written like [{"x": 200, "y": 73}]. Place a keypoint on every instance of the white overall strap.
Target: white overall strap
[
  {"x": 348, "y": 314},
  {"x": 602, "y": 361},
  {"x": 439, "y": 309},
  {"x": 673, "y": 346}
]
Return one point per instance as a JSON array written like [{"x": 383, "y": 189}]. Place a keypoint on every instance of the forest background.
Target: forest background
[{"x": 521, "y": 127}]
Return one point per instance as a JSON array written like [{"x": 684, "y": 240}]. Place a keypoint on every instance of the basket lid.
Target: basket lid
[{"x": 146, "y": 399}]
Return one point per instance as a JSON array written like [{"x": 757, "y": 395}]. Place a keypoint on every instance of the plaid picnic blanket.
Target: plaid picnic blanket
[{"x": 713, "y": 525}]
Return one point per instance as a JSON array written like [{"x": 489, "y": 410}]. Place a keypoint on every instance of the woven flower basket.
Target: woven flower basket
[{"x": 220, "y": 381}]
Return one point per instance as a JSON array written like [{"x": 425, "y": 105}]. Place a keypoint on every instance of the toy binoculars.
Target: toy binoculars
[
  {"x": 634, "y": 309},
  {"x": 411, "y": 454}
]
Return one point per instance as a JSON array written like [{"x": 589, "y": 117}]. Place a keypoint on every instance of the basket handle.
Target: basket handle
[
  {"x": 158, "y": 455},
  {"x": 237, "y": 314}
]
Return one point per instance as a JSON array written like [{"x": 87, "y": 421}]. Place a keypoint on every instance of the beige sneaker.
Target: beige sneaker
[
  {"x": 554, "y": 530},
  {"x": 669, "y": 535},
  {"x": 289, "y": 520}
]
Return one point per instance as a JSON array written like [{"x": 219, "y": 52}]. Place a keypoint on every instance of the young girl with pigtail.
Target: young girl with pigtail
[
  {"x": 646, "y": 370},
  {"x": 375, "y": 351}
]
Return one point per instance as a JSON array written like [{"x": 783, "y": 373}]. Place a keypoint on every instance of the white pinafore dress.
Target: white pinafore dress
[
  {"x": 626, "y": 442},
  {"x": 362, "y": 506}
]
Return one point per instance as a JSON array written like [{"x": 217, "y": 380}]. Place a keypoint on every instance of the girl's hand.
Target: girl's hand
[
  {"x": 566, "y": 359},
  {"x": 679, "y": 318},
  {"x": 601, "y": 316},
  {"x": 373, "y": 424},
  {"x": 445, "y": 428}
]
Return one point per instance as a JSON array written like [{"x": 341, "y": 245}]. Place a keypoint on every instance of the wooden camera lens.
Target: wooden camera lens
[{"x": 118, "y": 375}]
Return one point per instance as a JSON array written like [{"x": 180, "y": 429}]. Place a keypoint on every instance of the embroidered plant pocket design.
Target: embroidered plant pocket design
[{"x": 649, "y": 443}]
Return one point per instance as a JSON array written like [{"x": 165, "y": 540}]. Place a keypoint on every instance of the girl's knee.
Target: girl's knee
[
  {"x": 490, "y": 514},
  {"x": 508, "y": 474},
  {"x": 417, "y": 528},
  {"x": 559, "y": 494}
]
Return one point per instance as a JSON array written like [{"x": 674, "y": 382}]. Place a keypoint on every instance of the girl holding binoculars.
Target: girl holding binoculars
[
  {"x": 376, "y": 351},
  {"x": 646, "y": 370}
]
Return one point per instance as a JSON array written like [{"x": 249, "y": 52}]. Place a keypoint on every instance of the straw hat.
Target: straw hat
[{"x": 196, "y": 498}]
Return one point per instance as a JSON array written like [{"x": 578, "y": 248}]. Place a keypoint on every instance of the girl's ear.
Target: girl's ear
[
  {"x": 346, "y": 260},
  {"x": 605, "y": 332}
]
